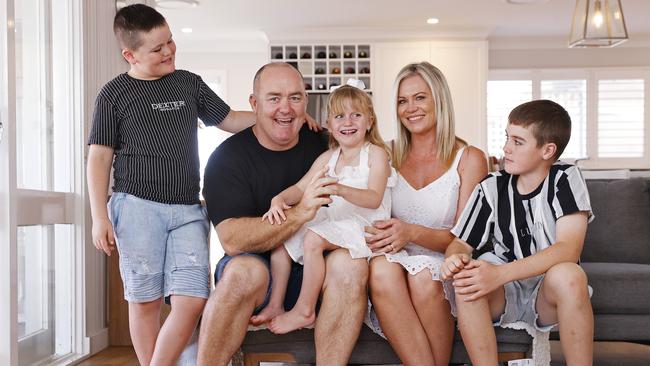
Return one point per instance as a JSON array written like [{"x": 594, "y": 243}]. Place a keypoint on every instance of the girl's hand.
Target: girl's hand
[
  {"x": 389, "y": 236},
  {"x": 338, "y": 189},
  {"x": 317, "y": 193},
  {"x": 276, "y": 211}
]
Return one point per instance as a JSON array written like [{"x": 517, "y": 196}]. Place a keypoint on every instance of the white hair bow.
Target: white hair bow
[{"x": 351, "y": 82}]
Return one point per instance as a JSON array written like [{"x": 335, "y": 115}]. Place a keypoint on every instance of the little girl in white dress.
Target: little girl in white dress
[{"x": 358, "y": 158}]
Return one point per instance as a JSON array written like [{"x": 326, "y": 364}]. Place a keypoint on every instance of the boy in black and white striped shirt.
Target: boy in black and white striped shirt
[{"x": 529, "y": 221}]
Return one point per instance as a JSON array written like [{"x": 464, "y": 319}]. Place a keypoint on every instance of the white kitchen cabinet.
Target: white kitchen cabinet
[{"x": 326, "y": 65}]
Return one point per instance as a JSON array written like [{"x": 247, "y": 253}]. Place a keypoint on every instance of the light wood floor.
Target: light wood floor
[
  {"x": 113, "y": 356},
  {"x": 605, "y": 354}
]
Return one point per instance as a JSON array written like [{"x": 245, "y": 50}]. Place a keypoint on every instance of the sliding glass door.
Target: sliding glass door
[{"x": 40, "y": 221}]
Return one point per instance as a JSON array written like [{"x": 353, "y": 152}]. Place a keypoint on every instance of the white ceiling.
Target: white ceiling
[{"x": 287, "y": 19}]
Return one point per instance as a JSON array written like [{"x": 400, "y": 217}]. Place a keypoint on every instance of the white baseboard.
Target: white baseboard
[
  {"x": 98, "y": 341},
  {"x": 94, "y": 344}
]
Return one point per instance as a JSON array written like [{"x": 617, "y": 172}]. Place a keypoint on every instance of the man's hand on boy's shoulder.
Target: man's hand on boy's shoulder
[
  {"x": 313, "y": 125},
  {"x": 479, "y": 278}
]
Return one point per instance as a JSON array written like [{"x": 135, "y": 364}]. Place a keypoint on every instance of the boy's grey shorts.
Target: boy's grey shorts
[{"x": 520, "y": 296}]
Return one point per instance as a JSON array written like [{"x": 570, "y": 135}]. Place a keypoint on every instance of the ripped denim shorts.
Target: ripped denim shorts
[{"x": 163, "y": 248}]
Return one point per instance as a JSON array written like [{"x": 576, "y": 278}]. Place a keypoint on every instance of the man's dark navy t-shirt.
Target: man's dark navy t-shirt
[{"x": 242, "y": 176}]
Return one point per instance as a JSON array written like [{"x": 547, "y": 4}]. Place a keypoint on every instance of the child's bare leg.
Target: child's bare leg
[
  {"x": 177, "y": 329},
  {"x": 564, "y": 299},
  {"x": 475, "y": 325},
  {"x": 144, "y": 325},
  {"x": 304, "y": 312},
  {"x": 280, "y": 271}
]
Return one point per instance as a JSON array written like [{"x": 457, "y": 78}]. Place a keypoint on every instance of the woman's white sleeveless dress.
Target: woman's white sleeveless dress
[
  {"x": 342, "y": 223},
  {"x": 433, "y": 206}
]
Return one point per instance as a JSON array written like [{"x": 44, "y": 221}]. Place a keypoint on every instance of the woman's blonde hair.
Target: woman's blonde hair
[
  {"x": 444, "y": 108},
  {"x": 360, "y": 100}
]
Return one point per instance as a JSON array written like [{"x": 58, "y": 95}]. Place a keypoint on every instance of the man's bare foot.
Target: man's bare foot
[
  {"x": 291, "y": 321},
  {"x": 268, "y": 313}
]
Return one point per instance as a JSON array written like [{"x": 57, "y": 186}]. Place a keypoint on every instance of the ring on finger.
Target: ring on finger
[{"x": 391, "y": 247}]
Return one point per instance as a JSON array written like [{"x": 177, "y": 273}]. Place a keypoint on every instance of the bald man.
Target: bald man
[{"x": 241, "y": 177}]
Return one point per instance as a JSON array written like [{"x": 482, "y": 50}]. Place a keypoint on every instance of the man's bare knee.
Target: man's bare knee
[
  {"x": 345, "y": 273},
  {"x": 243, "y": 277}
]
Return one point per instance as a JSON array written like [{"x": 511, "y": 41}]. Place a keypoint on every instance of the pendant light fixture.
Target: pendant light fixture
[{"x": 597, "y": 23}]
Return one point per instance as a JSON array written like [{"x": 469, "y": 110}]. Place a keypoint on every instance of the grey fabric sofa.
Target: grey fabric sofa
[
  {"x": 371, "y": 349},
  {"x": 616, "y": 258}
]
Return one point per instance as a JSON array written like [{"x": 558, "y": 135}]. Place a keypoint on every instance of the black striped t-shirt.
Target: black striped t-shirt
[
  {"x": 152, "y": 126},
  {"x": 517, "y": 226}
]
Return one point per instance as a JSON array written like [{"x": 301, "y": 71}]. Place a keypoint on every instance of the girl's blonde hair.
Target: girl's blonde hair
[
  {"x": 444, "y": 108},
  {"x": 360, "y": 100}
]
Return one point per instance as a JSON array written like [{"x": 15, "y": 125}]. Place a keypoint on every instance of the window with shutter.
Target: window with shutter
[
  {"x": 620, "y": 118},
  {"x": 607, "y": 109}
]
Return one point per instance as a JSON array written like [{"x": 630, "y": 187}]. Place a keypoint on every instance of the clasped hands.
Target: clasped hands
[
  {"x": 388, "y": 236},
  {"x": 472, "y": 278}
]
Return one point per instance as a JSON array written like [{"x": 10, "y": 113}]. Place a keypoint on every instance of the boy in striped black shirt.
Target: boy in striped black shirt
[
  {"x": 147, "y": 120},
  {"x": 529, "y": 222}
]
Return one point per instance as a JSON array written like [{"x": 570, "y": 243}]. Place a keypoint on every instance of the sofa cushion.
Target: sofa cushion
[
  {"x": 370, "y": 349},
  {"x": 619, "y": 288},
  {"x": 621, "y": 230},
  {"x": 622, "y": 327}
]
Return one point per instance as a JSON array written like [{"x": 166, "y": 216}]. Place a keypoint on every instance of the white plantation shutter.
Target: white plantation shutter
[
  {"x": 621, "y": 118},
  {"x": 572, "y": 95},
  {"x": 502, "y": 97},
  {"x": 607, "y": 109}
]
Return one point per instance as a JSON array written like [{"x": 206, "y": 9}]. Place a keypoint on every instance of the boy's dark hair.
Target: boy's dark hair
[
  {"x": 133, "y": 19},
  {"x": 550, "y": 122}
]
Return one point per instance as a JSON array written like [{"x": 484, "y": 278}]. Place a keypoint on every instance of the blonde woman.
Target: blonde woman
[{"x": 437, "y": 171}]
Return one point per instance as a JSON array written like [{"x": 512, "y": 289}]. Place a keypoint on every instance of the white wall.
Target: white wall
[
  {"x": 464, "y": 64},
  {"x": 547, "y": 53},
  {"x": 102, "y": 61},
  {"x": 240, "y": 67}
]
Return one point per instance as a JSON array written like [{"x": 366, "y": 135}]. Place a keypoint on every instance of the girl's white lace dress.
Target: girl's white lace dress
[{"x": 342, "y": 222}]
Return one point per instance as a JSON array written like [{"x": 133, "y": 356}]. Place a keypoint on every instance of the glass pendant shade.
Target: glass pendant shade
[{"x": 597, "y": 23}]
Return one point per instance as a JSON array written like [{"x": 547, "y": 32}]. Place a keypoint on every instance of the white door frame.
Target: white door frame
[
  {"x": 22, "y": 207},
  {"x": 8, "y": 255}
]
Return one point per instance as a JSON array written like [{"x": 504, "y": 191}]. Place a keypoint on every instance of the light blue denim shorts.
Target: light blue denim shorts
[{"x": 163, "y": 248}]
